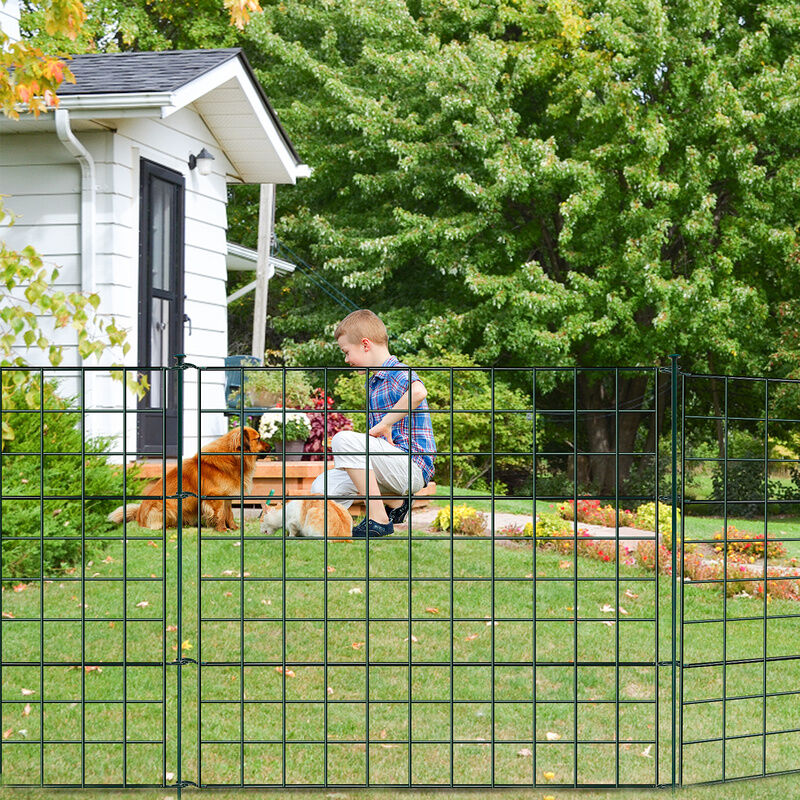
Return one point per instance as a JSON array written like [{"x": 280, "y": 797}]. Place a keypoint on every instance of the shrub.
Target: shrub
[
  {"x": 646, "y": 520},
  {"x": 750, "y": 545},
  {"x": 61, "y": 472},
  {"x": 592, "y": 513},
  {"x": 742, "y": 480},
  {"x": 467, "y": 521}
]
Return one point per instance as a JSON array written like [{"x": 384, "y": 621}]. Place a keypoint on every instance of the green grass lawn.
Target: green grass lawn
[{"x": 354, "y": 663}]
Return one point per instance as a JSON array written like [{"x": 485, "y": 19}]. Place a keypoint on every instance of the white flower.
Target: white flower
[{"x": 297, "y": 425}]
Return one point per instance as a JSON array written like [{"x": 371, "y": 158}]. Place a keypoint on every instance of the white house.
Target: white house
[{"x": 113, "y": 187}]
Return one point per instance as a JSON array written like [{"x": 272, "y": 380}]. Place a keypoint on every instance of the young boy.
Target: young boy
[{"x": 362, "y": 338}]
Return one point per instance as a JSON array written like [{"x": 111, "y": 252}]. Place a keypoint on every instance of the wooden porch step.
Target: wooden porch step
[{"x": 268, "y": 476}]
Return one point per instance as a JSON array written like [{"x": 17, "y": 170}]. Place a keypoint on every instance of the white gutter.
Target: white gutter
[{"x": 76, "y": 149}]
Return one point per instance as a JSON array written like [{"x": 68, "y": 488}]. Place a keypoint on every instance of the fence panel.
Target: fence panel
[
  {"x": 740, "y": 656},
  {"x": 87, "y": 693},
  {"x": 524, "y": 640}
]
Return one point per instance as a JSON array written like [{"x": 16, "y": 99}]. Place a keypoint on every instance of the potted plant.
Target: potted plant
[
  {"x": 264, "y": 388},
  {"x": 286, "y": 430}
]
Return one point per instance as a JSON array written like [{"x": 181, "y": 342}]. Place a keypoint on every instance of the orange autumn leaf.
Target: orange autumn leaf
[
  {"x": 471, "y": 637},
  {"x": 432, "y": 610},
  {"x": 7, "y": 732}
]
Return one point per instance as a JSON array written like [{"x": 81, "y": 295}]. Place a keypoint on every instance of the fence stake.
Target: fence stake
[{"x": 674, "y": 414}]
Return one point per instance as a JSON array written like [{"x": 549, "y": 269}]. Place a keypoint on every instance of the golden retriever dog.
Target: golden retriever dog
[
  {"x": 220, "y": 475},
  {"x": 306, "y": 518}
]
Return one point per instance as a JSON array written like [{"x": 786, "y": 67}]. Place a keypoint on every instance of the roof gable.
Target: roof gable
[{"x": 219, "y": 84}]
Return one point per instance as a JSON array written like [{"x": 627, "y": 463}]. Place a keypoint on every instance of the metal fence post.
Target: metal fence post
[
  {"x": 180, "y": 366},
  {"x": 674, "y": 414}
]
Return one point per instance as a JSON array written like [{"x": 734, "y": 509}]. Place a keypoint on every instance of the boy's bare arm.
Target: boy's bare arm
[{"x": 408, "y": 402}]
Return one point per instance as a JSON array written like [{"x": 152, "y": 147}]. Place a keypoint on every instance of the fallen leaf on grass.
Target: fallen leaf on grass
[
  {"x": 228, "y": 594},
  {"x": 357, "y": 645},
  {"x": 609, "y": 622},
  {"x": 623, "y": 611},
  {"x": 7, "y": 732},
  {"x": 526, "y": 751},
  {"x": 564, "y": 564},
  {"x": 170, "y": 775},
  {"x": 172, "y": 628},
  {"x": 331, "y": 569},
  {"x": 93, "y": 669},
  {"x": 27, "y": 710},
  {"x": 8, "y": 615},
  {"x": 27, "y": 692},
  {"x": 548, "y": 776},
  {"x": 413, "y": 638},
  {"x": 330, "y": 690},
  {"x": 142, "y": 604},
  {"x": 108, "y": 560},
  {"x": 186, "y": 645},
  {"x": 646, "y": 752},
  {"x": 20, "y": 587},
  {"x": 383, "y": 734},
  {"x": 471, "y": 637},
  {"x": 632, "y": 595},
  {"x": 289, "y": 673},
  {"x": 354, "y": 590},
  {"x": 607, "y": 609},
  {"x": 151, "y": 543},
  {"x": 432, "y": 610},
  {"x": 23, "y": 732},
  {"x": 552, "y": 737}
]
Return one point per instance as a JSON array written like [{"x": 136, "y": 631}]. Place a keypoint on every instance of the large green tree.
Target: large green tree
[{"x": 565, "y": 182}]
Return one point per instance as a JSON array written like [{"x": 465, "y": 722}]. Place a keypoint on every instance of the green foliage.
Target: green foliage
[
  {"x": 472, "y": 424},
  {"x": 65, "y": 472},
  {"x": 467, "y": 521},
  {"x": 266, "y": 388},
  {"x": 646, "y": 520},
  {"x": 540, "y": 183},
  {"x": 741, "y": 481},
  {"x": 551, "y": 525}
]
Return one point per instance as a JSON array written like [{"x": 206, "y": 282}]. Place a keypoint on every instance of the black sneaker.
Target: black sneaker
[
  {"x": 376, "y": 529},
  {"x": 397, "y": 515}
]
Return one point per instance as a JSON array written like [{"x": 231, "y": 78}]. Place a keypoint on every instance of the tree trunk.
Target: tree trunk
[{"x": 601, "y": 432}]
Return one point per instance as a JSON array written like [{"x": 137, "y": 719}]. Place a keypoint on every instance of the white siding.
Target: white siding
[
  {"x": 9, "y": 19},
  {"x": 43, "y": 184}
]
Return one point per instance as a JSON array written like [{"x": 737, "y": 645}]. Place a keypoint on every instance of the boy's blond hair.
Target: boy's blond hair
[{"x": 362, "y": 324}]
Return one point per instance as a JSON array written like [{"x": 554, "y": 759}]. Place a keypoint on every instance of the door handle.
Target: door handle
[{"x": 187, "y": 318}]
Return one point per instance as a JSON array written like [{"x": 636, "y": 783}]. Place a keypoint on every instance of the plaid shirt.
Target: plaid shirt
[{"x": 385, "y": 388}]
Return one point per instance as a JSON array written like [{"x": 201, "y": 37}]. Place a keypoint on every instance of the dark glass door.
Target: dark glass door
[{"x": 161, "y": 245}]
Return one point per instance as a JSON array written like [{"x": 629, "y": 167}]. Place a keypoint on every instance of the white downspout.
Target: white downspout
[{"x": 76, "y": 149}]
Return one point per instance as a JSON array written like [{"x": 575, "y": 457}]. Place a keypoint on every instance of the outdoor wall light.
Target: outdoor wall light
[{"x": 202, "y": 161}]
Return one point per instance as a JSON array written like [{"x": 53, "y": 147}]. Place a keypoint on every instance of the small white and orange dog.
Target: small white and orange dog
[{"x": 306, "y": 519}]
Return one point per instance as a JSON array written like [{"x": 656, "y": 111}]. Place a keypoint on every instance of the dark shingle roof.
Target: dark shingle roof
[{"x": 161, "y": 71}]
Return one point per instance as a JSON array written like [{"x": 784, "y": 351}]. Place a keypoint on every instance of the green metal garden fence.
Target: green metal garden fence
[{"x": 521, "y": 647}]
